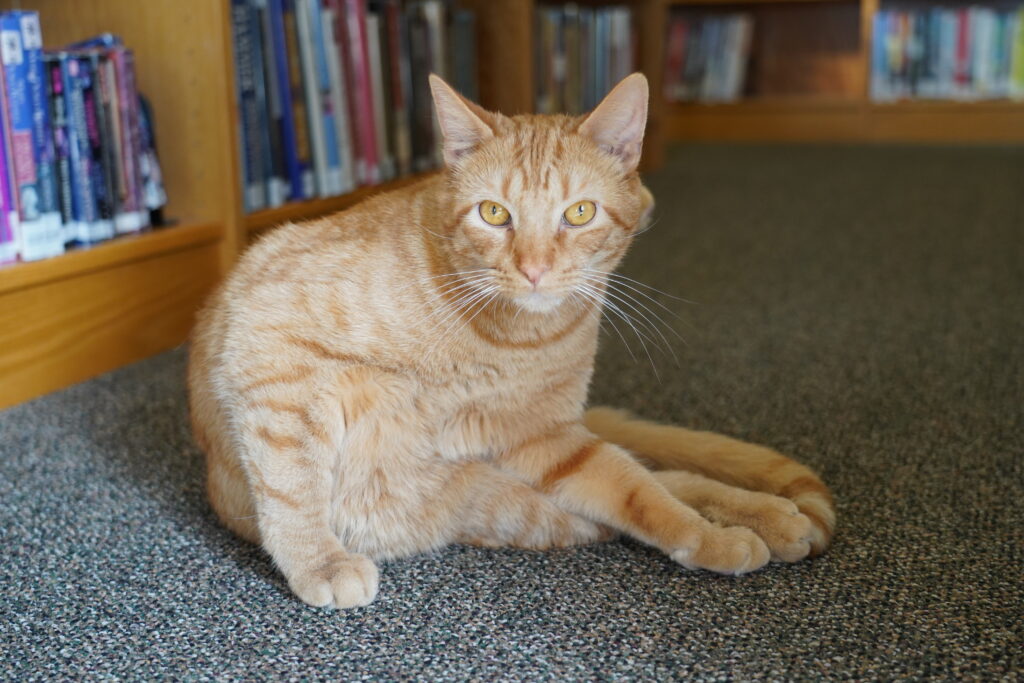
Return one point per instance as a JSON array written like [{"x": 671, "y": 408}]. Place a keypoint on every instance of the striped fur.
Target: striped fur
[{"x": 386, "y": 380}]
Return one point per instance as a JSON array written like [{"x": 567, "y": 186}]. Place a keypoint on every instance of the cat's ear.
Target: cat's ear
[
  {"x": 464, "y": 125},
  {"x": 617, "y": 124}
]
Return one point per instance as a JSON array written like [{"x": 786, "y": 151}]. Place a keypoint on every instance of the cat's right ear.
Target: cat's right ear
[{"x": 463, "y": 124}]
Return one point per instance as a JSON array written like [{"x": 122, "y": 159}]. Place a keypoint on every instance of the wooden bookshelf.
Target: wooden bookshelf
[{"x": 810, "y": 79}]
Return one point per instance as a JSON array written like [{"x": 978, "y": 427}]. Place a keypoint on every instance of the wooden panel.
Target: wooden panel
[
  {"x": 69, "y": 330},
  {"x": 651, "y": 19},
  {"x": 946, "y": 122},
  {"x": 297, "y": 211},
  {"x": 779, "y": 120},
  {"x": 107, "y": 254},
  {"x": 505, "y": 40},
  {"x": 184, "y": 68}
]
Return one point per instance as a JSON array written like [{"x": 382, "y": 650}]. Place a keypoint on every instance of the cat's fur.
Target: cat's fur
[{"x": 359, "y": 399}]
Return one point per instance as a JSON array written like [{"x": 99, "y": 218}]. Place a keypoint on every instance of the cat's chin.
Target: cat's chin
[{"x": 539, "y": 302}]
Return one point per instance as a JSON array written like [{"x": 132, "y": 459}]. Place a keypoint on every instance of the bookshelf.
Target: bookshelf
[
  {"x": 810, "y": 81},
  {"x": 72, "y": 317}
]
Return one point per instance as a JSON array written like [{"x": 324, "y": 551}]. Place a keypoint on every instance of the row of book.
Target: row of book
[
  {"x": 706, "y": 57},
  {"x": 581, "y": 53},
  {"x": 333, "y": 94},
  {"x": 77, "y": 154},
  {"x": 948, "y": 53}
]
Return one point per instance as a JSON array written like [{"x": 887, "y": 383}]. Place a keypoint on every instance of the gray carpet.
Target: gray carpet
[{"x": 859, "y": 308}]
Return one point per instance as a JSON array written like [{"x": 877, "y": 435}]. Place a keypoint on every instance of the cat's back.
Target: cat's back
[{"x": 341, "y": 279}]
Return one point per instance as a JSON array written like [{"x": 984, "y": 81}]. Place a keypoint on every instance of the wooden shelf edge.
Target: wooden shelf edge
[
  {"x": 705, "y": 3},
  {"x": 114, "y": 252},
  {"x": 772, "y": 104},
  {"x": 311, "y": 208}
]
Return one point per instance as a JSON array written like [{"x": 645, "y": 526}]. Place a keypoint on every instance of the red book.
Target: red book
[
  {"x": 962, "y": 65},
  {"x": 362, "y": 95},
  {"x": 676, "y": 56}
]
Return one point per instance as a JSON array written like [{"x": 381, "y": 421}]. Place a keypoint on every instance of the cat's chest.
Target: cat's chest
[{"x": 480, "y": 419}]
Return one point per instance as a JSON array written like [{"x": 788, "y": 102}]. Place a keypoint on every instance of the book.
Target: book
[
  {"x": 30, "y": 152},
  {"x": 362, "y": 90},
  {"x": 252, "y": 162},
  {"x": 339, "y": 99},
  {"x": 328, "y": 112},
  {"x": 132, "y": 215},
  {"x": 97, "y": 136},
  {"x": 278, "y": 187},
  {"x": 294, "y": 165},
  {"x": 399, "y": 74},
  {"x": 310, "y": 89},
  {"x": 380, "y": 109},
  {"x": 10, "y": 247}
]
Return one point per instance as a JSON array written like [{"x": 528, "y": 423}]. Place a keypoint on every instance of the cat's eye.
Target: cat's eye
[
  {"x": 494, "y": 213},
  {"x": 580, "y": 213}
]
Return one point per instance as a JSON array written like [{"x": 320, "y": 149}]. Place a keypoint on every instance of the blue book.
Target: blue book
[
  {"x": 332, "y": 146},
  {"x": 83, "y": 202},
  {"x": 31, "y": 150},
  {"x": 880, "y": 89},
  {"x": 288, "y": 140},
  {"x": 247, "y": 67}
]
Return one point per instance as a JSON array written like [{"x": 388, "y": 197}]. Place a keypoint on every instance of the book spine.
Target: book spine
[
  {"x": 434, "y": 12},
  {"x": 327, "y": 106},
  {"x": 360, "y": 62},
  {"x": 297, "y": 97},
  {"x": 154, "y": 194},
  {"x": 377, "y": 92},
  {"x": 277, "y": 181},
  {"x": 133, "y": 216},
  {"x": 422, "y": 129},
  {"x": 398, "y": 79},
  {"x": 1017, "y": 58},
  {"x": 42, "y": 130},
  {"x": 10, "y": 248},
  {"x": 311, "y": 91},
  {"x": 387, "y": 115},
  {"x": 339, "y": 100},
  {"x": 99, "y": 168},
  {"x": 251, "y": 161},
  {"x": 289, "y": 144},
  {"x": 62, "y": 162},
  {"x": 83, "y": 202},
  {"x": 39, "y": 225},
  {"x": 109, "y": 124}
]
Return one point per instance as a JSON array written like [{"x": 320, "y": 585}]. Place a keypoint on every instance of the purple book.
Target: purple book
[{"x": 8, "y": 212}]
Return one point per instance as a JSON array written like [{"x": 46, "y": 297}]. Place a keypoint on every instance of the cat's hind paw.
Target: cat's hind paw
[{"x": 342, "y": 581}]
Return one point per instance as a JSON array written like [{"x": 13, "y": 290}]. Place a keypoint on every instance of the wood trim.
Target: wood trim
[
  {"x": 108, "y": 254},
  {"x": 297, "y": 211}
]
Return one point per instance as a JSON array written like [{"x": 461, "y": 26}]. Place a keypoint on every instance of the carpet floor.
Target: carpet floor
[{"x": 860, "y": 308}]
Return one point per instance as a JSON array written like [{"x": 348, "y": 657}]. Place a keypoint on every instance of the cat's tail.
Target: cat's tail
[{"x": 749, "y": 466}]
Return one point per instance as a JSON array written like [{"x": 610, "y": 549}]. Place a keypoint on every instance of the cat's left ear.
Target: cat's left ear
[
  {"x": 463, "y": 124},
  {"x": 617, "y": 124}
]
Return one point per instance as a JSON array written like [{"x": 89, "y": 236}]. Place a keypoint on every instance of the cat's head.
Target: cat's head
[{"x": 543, "y": 204}]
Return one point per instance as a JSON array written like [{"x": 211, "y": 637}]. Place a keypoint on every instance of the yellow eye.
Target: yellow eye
[
  {"x": 494, "y": 213},
  {"x": 580, "y": 213}
]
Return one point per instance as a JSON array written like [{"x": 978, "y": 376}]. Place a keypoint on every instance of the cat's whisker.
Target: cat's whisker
[
  {"x": 482, "y": 299},
  {"x": 620, "y": 276},
  {"x": 629, "y": 300},
  {"x": 599, "y": 306},
  {"x": 642, "y": 322},
  {"x": 592, "y": 276},
  {"x": 459, "y": 273},
  {"x": 456, "y": 307},
  {"x": 629, "y": 321},
  {"x": 450, "y": 289}
]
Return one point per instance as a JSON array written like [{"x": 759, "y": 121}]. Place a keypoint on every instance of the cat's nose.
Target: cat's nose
[{"x": 533, "y": 271}]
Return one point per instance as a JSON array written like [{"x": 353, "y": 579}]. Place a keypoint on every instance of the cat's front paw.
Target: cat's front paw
[
  {"x": 730, "y": 550},
  {"x": 342, "y": 581}
]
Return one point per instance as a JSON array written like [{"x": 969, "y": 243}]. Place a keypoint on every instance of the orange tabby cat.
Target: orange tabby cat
[{"x": 413, "y": 372}]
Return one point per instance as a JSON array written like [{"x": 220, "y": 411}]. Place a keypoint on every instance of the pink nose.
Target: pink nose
[{"x": 533, "y": 271}]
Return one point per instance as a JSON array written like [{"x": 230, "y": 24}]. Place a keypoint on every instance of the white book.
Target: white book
[
  {"x": 339, "y": 100},
  {"x": 741, "y": 29},
  {"x": 983, "y": 38},
  {"x": 380, "y": 119},
  {"x": 314, "y": 107}
]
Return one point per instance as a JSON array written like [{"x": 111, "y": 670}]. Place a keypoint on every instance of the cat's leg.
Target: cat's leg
[
  {"x": 498, "y": 510},
  {"x": 734, "y": 462},
  {"x": 775, "y": 519},
  {"x": 600, "y": 481},
  {"x": 288, "y": 450}
]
